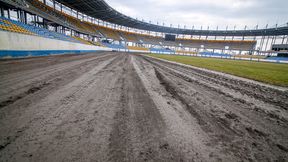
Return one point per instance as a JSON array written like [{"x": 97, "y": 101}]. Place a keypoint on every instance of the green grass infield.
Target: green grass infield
[{"x": 271, "y": 73}]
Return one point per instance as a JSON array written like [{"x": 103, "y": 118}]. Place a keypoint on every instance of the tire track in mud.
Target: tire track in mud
[
  {"x": 28, "y": 121},
  {"x": 51, "y": 67},
  {"x": 184, "y": 133},
  {"x": 21, "y": 80},
  {"x": 193, "y": 108},
  {"x": 250, "y": 89},
  {"x": 251, "y": 134},
  {"x": 30, "y": 87},
  {"x": 95, "y": 95},
  {"x": 24, "y": 64},
  {"x": 271, "y": 111},
  {"x": 139, "y": 130},
  {"x": 32, "y": 90}
]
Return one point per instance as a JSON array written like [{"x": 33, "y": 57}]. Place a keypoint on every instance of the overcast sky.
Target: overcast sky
[{"x": 206, "y": 12}]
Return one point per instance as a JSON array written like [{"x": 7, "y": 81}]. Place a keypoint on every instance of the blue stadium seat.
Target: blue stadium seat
[
  {"x": 41, "y": 31},
  {"x": 114, "y": 46},
  {"x": 161, "y": 50},
  {"x": 211, "y": 54},
  {"x": 275, "y": 58}
]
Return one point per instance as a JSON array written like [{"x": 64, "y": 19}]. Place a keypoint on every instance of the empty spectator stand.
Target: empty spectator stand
[
  {"x": 137, "y": 48},
  {"x": 19, "y": 27},
  {"x": 7, "y": 25}
]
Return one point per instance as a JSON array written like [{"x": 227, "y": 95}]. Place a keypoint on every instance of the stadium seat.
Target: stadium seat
[
  {"x": 161, "y": 50},
  {"x": 8, "y": 25},
  {"x": 137, "y": 48},
  {"x": 19, "y": 27},
  {"x": 114, "y": 46},
  {"x": 276, "y": 58}
]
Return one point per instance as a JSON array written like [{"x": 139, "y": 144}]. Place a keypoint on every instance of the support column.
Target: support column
[
  {"x": 25, "y": 17},
  {"x": 38, "y": 21},
  {"x": 226, "y": 31},
  {"x": 283, "y": 39},
  {"x": 273, "y": 41},
  {"x": 267, "y": 43},
  {"x": 43, "y": 22},
  {"x": 207, "y": 34},
  {"x": 2, "y": 12},
  {"x": 21, "y": 19},
  {"x": 261, "y": 43},
  {"x": 35, "y": 21},
  {"x": 8, "y": 11},
  {"x": 245, "y": 30},
  {"x": 256, "y": 29},
  {"x": 234, "y": 30},
  {"x": 54, "y": 5},
  {"x": 18, "y": 15}
]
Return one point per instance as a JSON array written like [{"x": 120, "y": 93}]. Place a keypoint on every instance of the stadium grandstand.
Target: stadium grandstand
[{"x": 76, "y": 22}]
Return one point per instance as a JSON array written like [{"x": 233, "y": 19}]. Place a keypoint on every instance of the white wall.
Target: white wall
[
  {"x": 16, "y": 41},
  {"x": 140, "y": 51}
]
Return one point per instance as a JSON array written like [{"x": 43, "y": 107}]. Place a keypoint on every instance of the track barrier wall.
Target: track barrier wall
[{"x": 21, "y": 45}]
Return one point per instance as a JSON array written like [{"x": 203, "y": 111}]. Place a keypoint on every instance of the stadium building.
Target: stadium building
[
  {"x": 100, "y": 27},
  {"x": 81, "y": 26}
]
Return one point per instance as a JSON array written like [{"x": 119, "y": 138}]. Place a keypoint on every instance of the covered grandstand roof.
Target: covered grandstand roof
[{"x": 101, "y": 10}]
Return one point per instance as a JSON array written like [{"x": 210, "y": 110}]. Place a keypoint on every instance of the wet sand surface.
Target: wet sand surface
[{"x": 129, "y": 107}]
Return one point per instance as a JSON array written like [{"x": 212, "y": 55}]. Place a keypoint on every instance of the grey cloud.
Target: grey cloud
[{"x": 262, "y": 11}]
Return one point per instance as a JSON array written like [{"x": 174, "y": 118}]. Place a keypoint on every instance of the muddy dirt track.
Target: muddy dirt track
[{"x": 125, "y": 107}]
